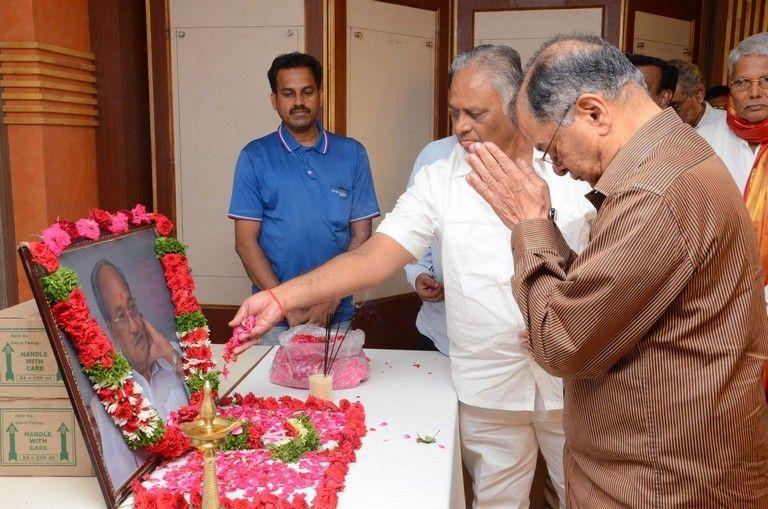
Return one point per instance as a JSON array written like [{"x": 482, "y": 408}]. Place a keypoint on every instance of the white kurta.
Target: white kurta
[
  {"x": 734, "y": 151},
  {"x": 489, "y": 367},
  {"x": 711, "y": 116}
]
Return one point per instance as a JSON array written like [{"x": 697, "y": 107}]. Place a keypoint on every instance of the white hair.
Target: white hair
[
  {"x": 754, "y": 45},
  {"x": 557, "y": 79},
  {"x": 502, "y": 62}
]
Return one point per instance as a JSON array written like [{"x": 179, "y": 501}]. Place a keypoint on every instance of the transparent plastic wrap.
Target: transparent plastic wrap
[{"x": 301, "y": 352}]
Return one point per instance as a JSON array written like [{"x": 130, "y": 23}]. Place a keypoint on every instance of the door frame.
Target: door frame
[
  {"x": 686, "y": 11},
  {"x": 9, "y": 280},
  {"x": 443, "y": 54},
  {"x": 466, "y": 10}
]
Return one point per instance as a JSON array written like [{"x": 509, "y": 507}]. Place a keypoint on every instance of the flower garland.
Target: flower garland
[{"x": 107, "y": 368}]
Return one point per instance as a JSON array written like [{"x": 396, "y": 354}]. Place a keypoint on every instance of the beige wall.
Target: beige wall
[
  {"x": 221, "y": 53},
  {"x": 526, "y": 30},
  {"x": 390, "y": 98}
]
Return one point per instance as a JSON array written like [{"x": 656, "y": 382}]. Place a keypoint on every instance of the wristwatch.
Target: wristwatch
[{"x": 552, "y": 216}]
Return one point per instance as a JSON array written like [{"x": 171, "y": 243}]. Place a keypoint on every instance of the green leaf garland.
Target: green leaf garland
[
  {"x": 59, "y": 285},
  {"x": 168, "y": 245},
  {"x": 110, "y": 377},
  {"x": 196, "y": 381},
  {"x": 187, "y": 322}
]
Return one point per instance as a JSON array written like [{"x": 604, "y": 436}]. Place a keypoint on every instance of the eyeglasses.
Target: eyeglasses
[
  {"x": 742, "y": 84},
  {"x": 120, "y": 321},
  {"x": 546, "y": 157}
]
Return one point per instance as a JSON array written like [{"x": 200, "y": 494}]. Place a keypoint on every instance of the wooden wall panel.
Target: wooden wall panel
[
  {"x": 736, "y": 20},
  {"x": 124, "y": 159},
  {"x": 45, "y": 84},
  {"x": 51, "y": 154},
  {"x": 9, "y": 292},
  {"x": 160, "y": 107}
]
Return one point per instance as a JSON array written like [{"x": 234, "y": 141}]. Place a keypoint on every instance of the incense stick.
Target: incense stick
[
  {"x": 327, "y": 343},
  {"x": 336, "y": 354}
]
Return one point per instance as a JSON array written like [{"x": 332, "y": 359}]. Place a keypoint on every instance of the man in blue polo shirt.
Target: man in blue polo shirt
[{"x": 301, "y": 195}]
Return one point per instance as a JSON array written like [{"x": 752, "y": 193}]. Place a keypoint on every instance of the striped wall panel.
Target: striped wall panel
[
  {"x": 43, "y": 84},
  {"x": 745, "y": 18}
]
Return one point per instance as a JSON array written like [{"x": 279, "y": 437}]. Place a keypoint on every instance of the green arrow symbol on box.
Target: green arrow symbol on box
[
  {"x": 12, "y": 434},
  {"x": 8, "y": 349},
  {"x": 63, "y": 455}
]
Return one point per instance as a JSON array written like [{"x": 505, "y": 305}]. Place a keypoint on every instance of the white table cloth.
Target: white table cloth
[{"x": 407, "y": 393}]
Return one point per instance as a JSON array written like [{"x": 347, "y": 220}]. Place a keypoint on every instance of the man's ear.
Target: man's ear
[
  {"x": 594, "y": 109},
  {"x": 273, "y": 99},
  {"x": 699, "y": 93},
  {"x": 665, "y": 97}
]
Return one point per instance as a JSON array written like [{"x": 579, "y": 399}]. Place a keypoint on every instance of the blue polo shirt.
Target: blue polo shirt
[{"x": 305, "y": 198}]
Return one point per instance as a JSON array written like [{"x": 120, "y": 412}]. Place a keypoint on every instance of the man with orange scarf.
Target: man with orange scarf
[{"x": 742, "y": 140}]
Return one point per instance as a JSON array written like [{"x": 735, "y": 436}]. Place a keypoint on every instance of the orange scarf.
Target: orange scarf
[{"x": 756, "y": 192}]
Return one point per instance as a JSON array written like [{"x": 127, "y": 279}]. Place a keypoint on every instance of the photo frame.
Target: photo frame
[{"x": 116, "y": 298}]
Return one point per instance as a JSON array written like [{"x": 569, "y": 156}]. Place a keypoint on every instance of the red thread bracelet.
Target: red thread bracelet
[{"x": 280, "y": 304}]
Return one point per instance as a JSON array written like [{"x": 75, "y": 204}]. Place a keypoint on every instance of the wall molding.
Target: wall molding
[{"x": 41, "y": 82}]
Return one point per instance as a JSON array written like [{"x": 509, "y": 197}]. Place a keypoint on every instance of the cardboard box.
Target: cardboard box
[
  {"x": 41, "y": 437},
  {"x": 39, "y": 434},
  {"x": 28, "y": 367}
]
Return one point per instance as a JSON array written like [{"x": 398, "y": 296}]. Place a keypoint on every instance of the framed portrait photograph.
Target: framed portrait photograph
[{"x": 124, "y": 285}]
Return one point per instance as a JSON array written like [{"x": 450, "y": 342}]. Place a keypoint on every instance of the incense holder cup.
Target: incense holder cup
[{"x": 321, "y": 386}]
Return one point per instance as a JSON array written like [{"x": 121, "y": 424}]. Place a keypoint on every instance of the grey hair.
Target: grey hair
[
  {"x": 753, "y": 45},
  {"x": 688, "y": 75},
  {"x": 557, "y": 79},
  {"x": 502, "y": 62}
]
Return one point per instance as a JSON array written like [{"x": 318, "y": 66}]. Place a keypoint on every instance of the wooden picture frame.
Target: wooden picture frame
[{"x": 133, "y": 254}]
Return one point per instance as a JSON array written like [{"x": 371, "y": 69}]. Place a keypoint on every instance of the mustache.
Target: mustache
[{"x": 299, "y": 108}]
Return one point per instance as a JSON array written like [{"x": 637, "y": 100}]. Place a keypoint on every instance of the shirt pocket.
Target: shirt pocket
[{"x": 339, "y": 208}]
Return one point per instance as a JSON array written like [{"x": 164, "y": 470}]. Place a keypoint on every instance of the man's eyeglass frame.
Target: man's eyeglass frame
[{"x": 546, "y": 157}]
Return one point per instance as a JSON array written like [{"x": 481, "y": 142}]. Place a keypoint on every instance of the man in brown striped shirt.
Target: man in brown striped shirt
[{"x": 659, "y": 327}]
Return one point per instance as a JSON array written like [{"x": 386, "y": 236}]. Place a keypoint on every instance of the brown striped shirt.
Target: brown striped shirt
[{"x": 659, "y": 330}]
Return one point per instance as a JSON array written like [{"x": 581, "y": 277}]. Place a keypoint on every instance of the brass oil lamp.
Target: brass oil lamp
[{"x": 206, "y": 433}]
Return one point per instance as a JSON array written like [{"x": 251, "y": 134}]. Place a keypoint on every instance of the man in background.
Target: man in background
[
  {"x": 301, "y": 195},
  {"x": 660, "y": 77},
  {"x": 688, "y": 100},
  {"x": 717, "y": 96},
  {"x": 741, "y": 140}
]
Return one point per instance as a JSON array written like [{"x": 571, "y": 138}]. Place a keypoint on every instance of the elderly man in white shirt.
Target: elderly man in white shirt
[
  {"x": 509, "y": 406},
  {"x": 741, "y": 140},
  {"x": 748, "y": 74},
  {"x": 426, "y": 275},
  {"x": 688, "y": 100}
]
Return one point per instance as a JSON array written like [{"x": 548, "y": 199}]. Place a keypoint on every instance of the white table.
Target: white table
[{"x": 408, "y": 393}]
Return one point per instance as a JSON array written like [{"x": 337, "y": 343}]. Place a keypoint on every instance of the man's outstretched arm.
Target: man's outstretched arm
[{"x": 367, "y": 266}]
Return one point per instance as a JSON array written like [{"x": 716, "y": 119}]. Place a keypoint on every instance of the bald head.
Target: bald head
[
  {"x": 567, "y": 66},
  {"x": 121, "y": 313},
  {"x": 581, "y": 100}
]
